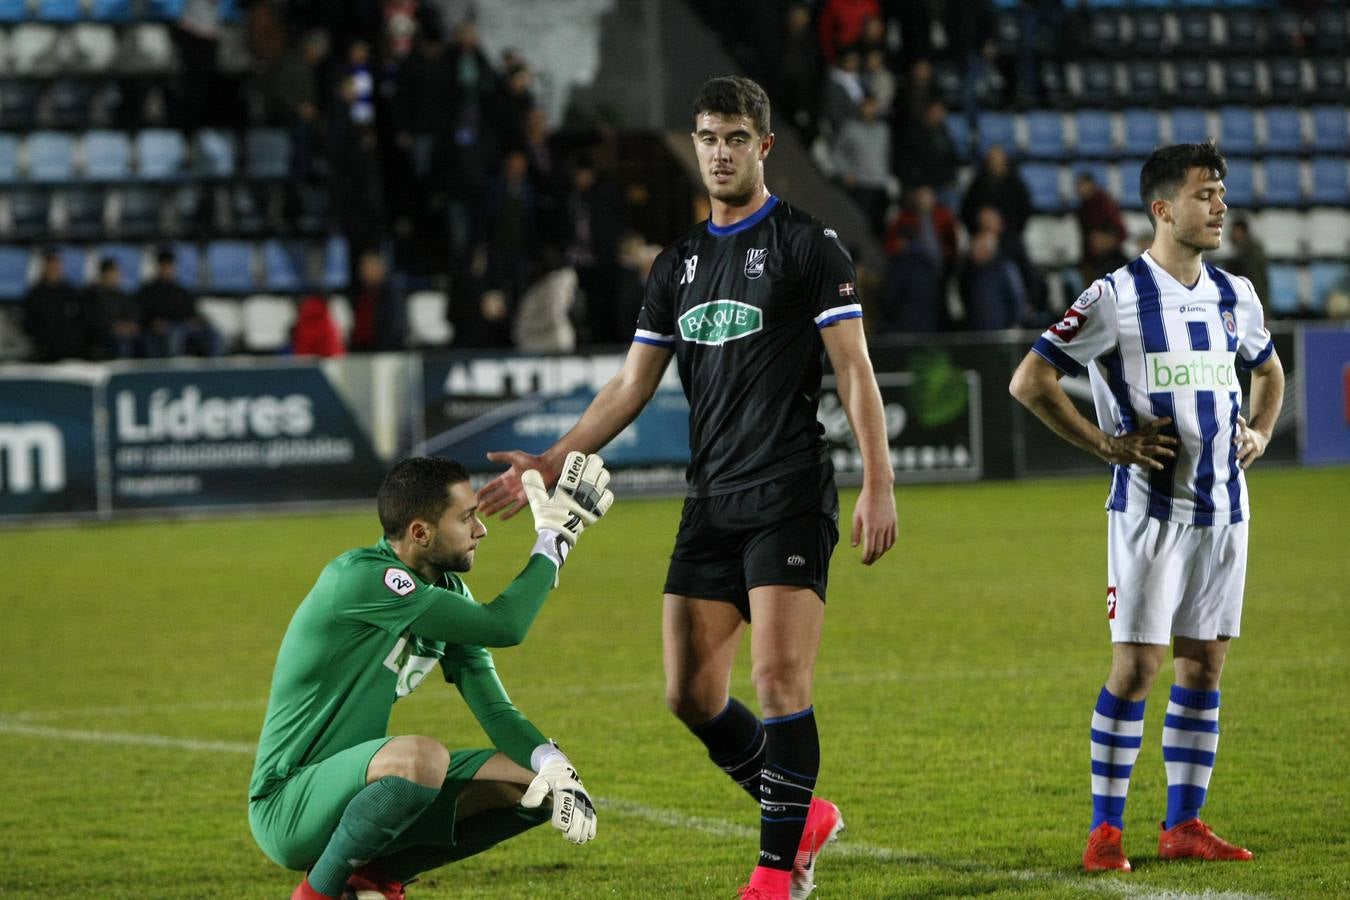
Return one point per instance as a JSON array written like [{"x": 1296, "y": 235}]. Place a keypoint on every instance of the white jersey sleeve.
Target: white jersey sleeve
[
  {"x": 1254, "y": 342},
  {"x": 1089, "y": 329}
]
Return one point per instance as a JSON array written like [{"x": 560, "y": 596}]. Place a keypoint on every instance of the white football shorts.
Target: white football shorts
[{"x": 1169, "y": 579}]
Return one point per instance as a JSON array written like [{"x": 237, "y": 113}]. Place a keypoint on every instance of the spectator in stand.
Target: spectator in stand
[
  {"x": 378, "y": 319},
  {"x": 422, "y": 123},
  {"x": 862, "y": 156},
  {"x": 473, "y": 145},
  {"x": 991, "y": 286},
  {"x": 355, "y": 183},
  {"x": 969, "y": 26},
  {"x": 797, "y": 73},
  {"x": 841, "y": 25},
  {"x": 547, "y": 172},
  {"x": 315, "y": 333},
  {"x": 916, "y": 33},
  {"x": 921, "y": 243},
  {"x": 916, "y": 91},
  {"x": 842, "y": 96},
  {"x": 999, "y": 186},
  {"x": 113, "y": 315},
  {"x": 922, "y": 152},
  {"x": 196, "y": 37},
  {"x": 513, "y": 105},
  {"x": 1249, "y": 258},
  {"x": 1102, "y": 252},
  {"x": 1101, "y": 228},
  {"x": 173, "y": 327},
  {"x": 879, "y": 80},
  {"x": 54, "y": 315},
  {"x": 361, "y": 97},
  {"x": 511, "y": 232},
  {"x": 595, "y": 219}
]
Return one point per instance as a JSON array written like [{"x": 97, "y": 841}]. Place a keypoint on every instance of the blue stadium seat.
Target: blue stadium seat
[
  {"x": 57, "y": 11},
  {"x": 1284, "y": 184},
  {"x": 13, "y": 10},
  {"x": 1045, "y": 134},
  {"x": 996, "y": 127},
  {"x": 113, "y": 11},
  {"x": 29, "y": 213},
  {"x": 73, "y": 261},
  {"x": 51, "y": 156},
  {"x": 1329, "y": 85},
  {"x": 229, "y": 266},
  {"x": 1144, "y": 78},
  {"x": 1284, "y": 289},
  {"x": 70, "y": 104},
  {"x": 1097, "y": 82},
  {"x": 1237, "y": 130},
  {"x": 1129, "y": 183},
  {"x": 336, "y": 264},
  {"x": 1190, "y": 126},
  {"x": 1323, "y": 278},
  {"x": 267, "y": 153},
  {"x": 214, "y": 153},
  {"x": 18, "y": 104},
  {"x": 1329, "y": 185},
  {"x": 1043, "y": 183},
  {"x": 13, "y": 273},
  {"x": 1149, "y": 33},
  {"x": 249, "y": 205},
  {"x": 9, "y": 158},
  {"x": 1329, "y": 30},
  {"x": 139, "y": 210},
  {"x": 1238, "y": 82},
  {"x": 1284, "y": 130},
  {"x": 107, "y": 156},
  {"x": 1245, "y": 31},
  {"x": 130, "y": 259},
  {"x": 189, "y": 264},
  {"x": 1093, "y": 127},
  {"x": 1143, "y": 131},
  {"x": 1287, "y": 83},
  {"x": 958, "y": 127},
  {"x": 1241, "y": 184},
  {"x": 1192, "y": 81},
  {"x": 1329, "y": 131},
  {"x": 84, "y": 207},
  {"x": 164, "y": 10},
  {"x": 283, "y": 266},
  {"x": 160, "y": 153}
]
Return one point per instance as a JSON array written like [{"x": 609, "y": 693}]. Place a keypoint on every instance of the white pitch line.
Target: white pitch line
[{"x": 673, "y": 819}]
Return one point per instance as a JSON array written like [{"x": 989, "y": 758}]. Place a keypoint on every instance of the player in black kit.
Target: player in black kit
[{"x": 749, "y": 303}]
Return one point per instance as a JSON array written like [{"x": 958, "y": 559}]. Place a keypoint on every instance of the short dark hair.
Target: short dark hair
[
  {"x": 734, "y": 95},
  {"x": 416, "y": 488},
  {"x": 1165, "y": 171},
  {"x": 107, "y": 264},
  {"x": 165, "y": 255}
]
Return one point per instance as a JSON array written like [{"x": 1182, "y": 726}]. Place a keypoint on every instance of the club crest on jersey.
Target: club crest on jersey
[
  {"x": 690, "y": 267},
  {"x": 754, "y": 262},
  {"x": 399, "y": 581},
  {"x": 720, "y": 321},
  {"x": 1088, "y": 297},
  {"x": 1229, "y": 323}
]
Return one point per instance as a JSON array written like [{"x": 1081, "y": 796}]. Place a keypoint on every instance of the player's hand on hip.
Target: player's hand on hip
[
  {"x": 875, "y": 524},
  {"x": 504, "y": 493},
  {"x": 573, "y": 811},
  {"x": 1147, "y": 446},
  {"x": 1250, "y": 443}
]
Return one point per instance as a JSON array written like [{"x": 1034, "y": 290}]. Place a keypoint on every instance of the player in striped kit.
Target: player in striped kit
[{"x": 1161, "y": 339}]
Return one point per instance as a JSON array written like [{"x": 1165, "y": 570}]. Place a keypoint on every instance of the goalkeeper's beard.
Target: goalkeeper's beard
[{"x": 453, "y": 562}]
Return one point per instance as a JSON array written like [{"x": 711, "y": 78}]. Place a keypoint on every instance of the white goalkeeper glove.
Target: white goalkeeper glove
[
  {"x": 579, "y": 499},
  {"x": 573, "y": 811}
]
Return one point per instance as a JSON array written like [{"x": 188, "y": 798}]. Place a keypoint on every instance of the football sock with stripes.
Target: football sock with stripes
[
  {"x": 791, "y": 763},
  {"x": 373, "y": 818},
  {"x": 1117, "y": 732},
  {"x": 735, "y": 741},
  {"x": 1189, "y": 741}
]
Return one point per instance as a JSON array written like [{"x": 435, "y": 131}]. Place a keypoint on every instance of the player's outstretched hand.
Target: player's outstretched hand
[
  {"x": 573, "y": 811},
  {"x": 1147, "y": 446},
  {"x": 1250, "y": 443},
  {"x": 505, "y": 494},
  {"x": 580, "y": 498}
]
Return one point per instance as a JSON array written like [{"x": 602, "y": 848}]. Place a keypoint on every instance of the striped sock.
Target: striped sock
[
  {"x": 791, "y": 763},
  {"x": 1189, "y": 741},
  {"x": 1117, "y": 732},
  {"x": 735, "y": 741}
]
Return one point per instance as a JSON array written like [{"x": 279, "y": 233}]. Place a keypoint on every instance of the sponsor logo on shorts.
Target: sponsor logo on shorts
[
  {"x": 1111, "y": 602},
  {"x": 796, "y": 559},
  {"x": 399, "y": 581}
]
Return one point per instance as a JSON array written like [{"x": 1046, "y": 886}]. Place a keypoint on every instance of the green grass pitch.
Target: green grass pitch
[{"x": 953, "y": 690}]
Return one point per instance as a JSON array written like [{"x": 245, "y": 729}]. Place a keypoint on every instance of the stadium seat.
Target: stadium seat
[
  {"x": 229, "y": 266},
  {"x": 1239, "y": 81},
  {"x": 1286, "y": 30},
  {"x": 93, "y": 47},
  {"x": 29, "y": 213},
  {"x": 226, "y": 315},
  {"x": 1323, "y": 278},
  {"x": 13, "y": 273},
  {"x": 1284, "y": 130},
  {"x": 428, "y": 325},
  {"x": 164, "y": 10},
  {"x": 1328, "y": 233},
  {"x": 1148, "y": 34},
  {"x": 249, "y": 207},
  {"x": 1329, "y": 130},
  {"x": 336, "y": 264},
  {"x": 75, "y": 263},
  {"x": 1196, "y": 34},
  {"x": 343, "y": 317},
  {"x": 9, "y": 158},
  {"x": 1329, "y": 186},
  {"x": 958, "y": 127},
  {"x": 130, "y": 259},
  {"x": 1237, "y": 130},
  {"x": 1190, "y": 126},
  {"x": 160, "y": 153},
  {"x": 18, "y": 104},
  {"x": 51, "y": 156},
  {"x": 1106, "y": 33},
  {"x": 1143, "y": 131},
  {"x": 1095, "y": 133},
  {"x": 112, "y": 11},
  {"x": 1144, "y": 78},
  {"x": 1281, "y": 230},
  {"x": 1284, "y": 182},
  {"x": 1241, "y": 184},
  {"x": 267, "y": 153},
  {"x": 1246, "y": 32},
  {"x": 70, "y": 103},
  {"x": 213, "y": 153},
  {"x": 1093, "y": 81},
  {"x": 139, "y": 212},
  {"x": 13, "y": 10},
  {"x": 194, "y": 210},
  {"x": 57, "y": 10},
  {"x": 107, "y": 156},
  {"x": 283, "y": 266},
  {"x": 1045, "y": 134},
  {"x": 83, "y": 211},
  {"x": 1329, "y": 32},
  {"x": 1193, "y": 83},
  {"x": 1288, "y": 83},
  {"x": 1286, "y": 292},
  {"x": 1329, "y": 82},
  {"x": 189, "y": 264},
  {"x": 146, "y": 48},
  {"x": 34, "y": 48},
  {"x": 267, "y": 321},
  {"x": 314, "y": 208},
  {"x": 1052, "y": 241},
  {"x": 1043, "y": 182},
  {"x": 997, "y": 128}
]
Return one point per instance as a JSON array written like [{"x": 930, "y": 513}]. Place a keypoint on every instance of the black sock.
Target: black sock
[
  {"x": 735, "y": 742},
  {"x": 791, "y": 763}
]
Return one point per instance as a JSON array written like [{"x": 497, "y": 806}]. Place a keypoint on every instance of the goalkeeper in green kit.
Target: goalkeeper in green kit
[{"x": 363, "y": 811}]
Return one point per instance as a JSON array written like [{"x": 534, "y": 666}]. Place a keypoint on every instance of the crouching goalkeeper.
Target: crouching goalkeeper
[{"x": 362, "y": 811}]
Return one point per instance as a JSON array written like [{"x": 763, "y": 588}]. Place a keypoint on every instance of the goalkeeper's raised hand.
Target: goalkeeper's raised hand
[
  {"x": 573, "y": 811},
  {"x": 579, "y": 499}
]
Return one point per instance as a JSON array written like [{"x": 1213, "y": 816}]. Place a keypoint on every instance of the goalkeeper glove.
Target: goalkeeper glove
[
  {"x": 573, "y": 811},
  {"x": 579, "y": 499}
]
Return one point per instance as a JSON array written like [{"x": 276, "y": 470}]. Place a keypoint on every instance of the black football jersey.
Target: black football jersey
[{"x": 742, "y": 307}]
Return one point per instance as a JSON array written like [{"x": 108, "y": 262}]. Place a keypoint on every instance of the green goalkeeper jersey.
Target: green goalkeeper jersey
[{"x": 367, "y": 633}]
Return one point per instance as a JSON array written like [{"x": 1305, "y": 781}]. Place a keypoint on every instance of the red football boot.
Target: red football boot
[
  {"x": 1193, "y": 839},
  {"x": 1103, "y": 851}
]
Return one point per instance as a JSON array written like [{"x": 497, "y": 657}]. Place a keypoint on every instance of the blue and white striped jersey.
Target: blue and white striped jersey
[{"x": 1154, "y": 347}]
